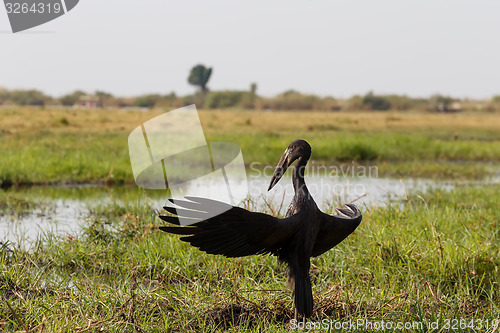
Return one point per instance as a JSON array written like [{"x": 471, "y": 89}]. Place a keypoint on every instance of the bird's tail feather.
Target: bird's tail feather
[{"x": 303, "y": 294}]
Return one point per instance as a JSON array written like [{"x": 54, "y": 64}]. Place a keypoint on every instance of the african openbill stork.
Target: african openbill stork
[{"x": 305, "y": 232}]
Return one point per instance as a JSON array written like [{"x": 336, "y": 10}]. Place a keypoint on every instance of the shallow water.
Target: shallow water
[{"x": 65, "y": 208}]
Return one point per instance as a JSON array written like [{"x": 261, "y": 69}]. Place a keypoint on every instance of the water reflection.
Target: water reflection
[{"x": 64, "y": 209}]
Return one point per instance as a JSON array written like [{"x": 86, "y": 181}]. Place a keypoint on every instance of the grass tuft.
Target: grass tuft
[{"x": 434, "y": 256}]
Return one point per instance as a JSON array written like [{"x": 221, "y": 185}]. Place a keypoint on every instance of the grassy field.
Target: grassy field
[
  {"x": 90, "y": 146},
  {"x": 432, "y": 257}
]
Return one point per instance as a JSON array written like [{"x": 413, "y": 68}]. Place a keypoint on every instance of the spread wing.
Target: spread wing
[
  {"x": 335, "y": 228},
  {"x": 236, "y": 232}
]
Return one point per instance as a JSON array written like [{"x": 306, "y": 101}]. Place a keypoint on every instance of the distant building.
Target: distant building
[
  {"x": 89, "y": 102},
  {"x": 449, "y": 107}
]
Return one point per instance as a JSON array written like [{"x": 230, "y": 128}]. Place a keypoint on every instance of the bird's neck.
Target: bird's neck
[{"x": 299, "y": 184}]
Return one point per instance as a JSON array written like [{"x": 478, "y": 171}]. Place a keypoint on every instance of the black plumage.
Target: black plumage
[{"x": 305, "y": 231}]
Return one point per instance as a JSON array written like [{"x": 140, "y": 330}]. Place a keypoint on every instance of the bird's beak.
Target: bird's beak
[{"x": 280, "y": 169}]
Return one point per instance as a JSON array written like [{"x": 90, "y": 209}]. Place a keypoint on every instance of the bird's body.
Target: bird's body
[
  {"x": 298, "y": 251},
  {"x": 305, "y": 231}
]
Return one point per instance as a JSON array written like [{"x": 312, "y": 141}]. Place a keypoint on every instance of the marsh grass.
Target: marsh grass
[
  {"x": 17, "y": 205},
  {"x": 434, "y": 256},
  {"x": 90, "y": 146}
]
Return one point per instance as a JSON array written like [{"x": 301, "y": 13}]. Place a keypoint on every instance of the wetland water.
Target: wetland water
[{"x": 64, "y": 209}]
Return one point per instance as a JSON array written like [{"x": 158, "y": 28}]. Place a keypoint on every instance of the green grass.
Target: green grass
[
  {"x": 70, "y": 146},
  {"x": 435, "y": 256},
  {"x": 394, "y": 154},
  {"x": 65, "y": 158},
  {"x": 103, "y": 157},
  {"x": 18, "y": 204},
  {"x": 378, "y": 147},
  {"x": 432, "y": 257}
]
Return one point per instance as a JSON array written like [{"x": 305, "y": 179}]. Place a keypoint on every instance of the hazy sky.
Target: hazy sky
[{"x": 326, "y": 47}]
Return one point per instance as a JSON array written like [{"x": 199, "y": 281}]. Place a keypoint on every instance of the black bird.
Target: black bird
[{"x": 305, "y": 232}]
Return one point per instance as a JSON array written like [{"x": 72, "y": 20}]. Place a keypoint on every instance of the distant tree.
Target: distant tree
[
  {"x": 403, "y": 102},
  {"x": 147, "y": 101},
  {"x": 249, "y": 100},
  {"x": 106, "y": 99},
  {"x": 224, "y": 99},
  {"x": 375, "y": 102},
  {"x": 170, "y": 97},
  {"x": 71, "y": 99},
  {"x": 493, "y": 106},
  {"x": 253, "y": 89},
  {"x": 29, "y": 97},
  {"x": 291, "y": 100},
  {"x": 198, "y": 98},
  {"x": 166, "y": 101},
  {"x": 290, "y": 92},
  {"x": 103, "y": 94},
  {"x": 4, "y": 95},
  {"x": 199, "y": 76}
]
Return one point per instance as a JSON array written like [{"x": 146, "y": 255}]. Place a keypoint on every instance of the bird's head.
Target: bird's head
[{"x": 297, "y": 149}]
